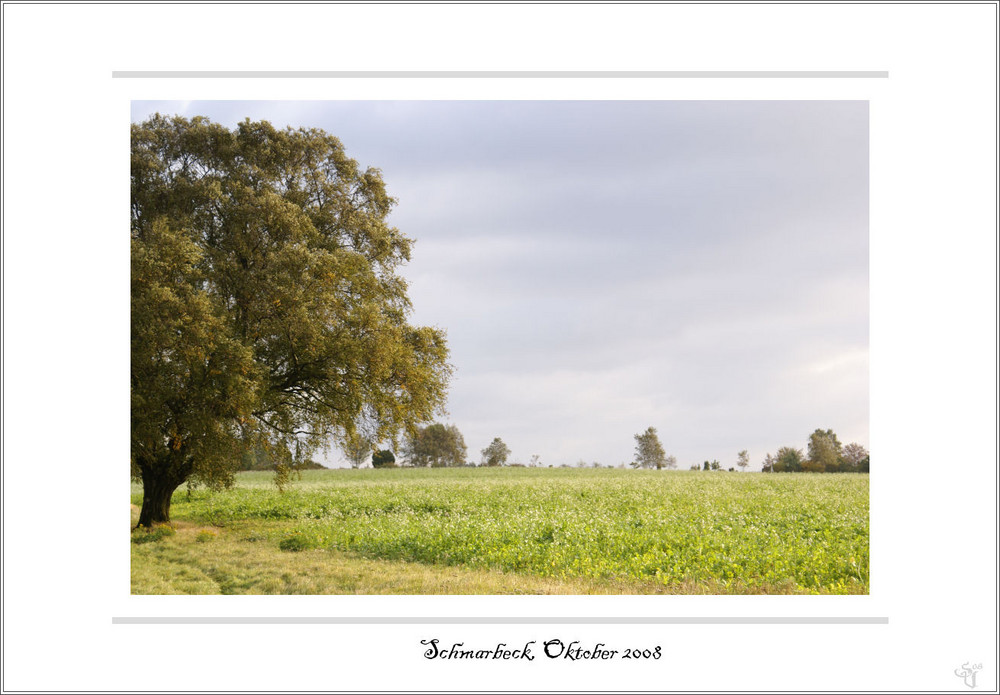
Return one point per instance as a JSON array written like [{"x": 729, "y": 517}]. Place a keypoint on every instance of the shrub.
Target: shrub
[
  {"x": 383, "y": 459},
  {"x": 205, "y": 535}
]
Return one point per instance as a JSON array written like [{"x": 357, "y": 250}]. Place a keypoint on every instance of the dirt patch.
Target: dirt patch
[
  {"x": 188, "y": 528},
  {"x": 185, "y": 528}
]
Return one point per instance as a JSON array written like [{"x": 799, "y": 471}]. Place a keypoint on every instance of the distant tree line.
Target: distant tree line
[
  {"x": 433, "y": 446},
  {"x": 825, "y": 454},
  {"x": 258, "y": 459},
  {"x": 440, "y": 446}
]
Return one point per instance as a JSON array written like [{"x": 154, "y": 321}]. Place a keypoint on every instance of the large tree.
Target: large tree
[
  {"x": 436, "y": 445},
  {"x": 267, "y": 308}
]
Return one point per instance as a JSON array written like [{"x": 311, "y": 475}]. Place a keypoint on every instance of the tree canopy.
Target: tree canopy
[
  {"x": 496, "y": 454},
  {"x": 824, "y": 451},
  {"x": 854, "y": 458},
  {"x": 267, "y": 308},
  {"x": 436, "y": 445},
  {"x": 649, "y": 452},
  {"x": 788, "y": 460},
  {"x": 743, "y": 459}
]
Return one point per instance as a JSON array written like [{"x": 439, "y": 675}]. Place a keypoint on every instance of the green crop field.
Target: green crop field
[{"x": 513, "y": 530}]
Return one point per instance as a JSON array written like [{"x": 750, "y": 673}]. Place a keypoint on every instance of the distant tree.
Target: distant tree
[
  {"x": 863, "y": 465},
  {"x": 383, "y": 459},
  {"x": 715, "y": 465},
  {"x": 743, "y": 459},
  {"x": 695, "y": 467},
  {"x": 852, "y": 456},
  {"x": 496, "y": 454},
  {"x": 824, "y": 451},
  {"x": 768, "y": 465},
  {"x": 788, "y": 460},
  {"x": 436, "y": 445},
  {"x": 356, "y": 448},
  {"x": 536, "y": 461},
  {"x": 706, "y": 466},
  {"x": 649, "y": 452}
]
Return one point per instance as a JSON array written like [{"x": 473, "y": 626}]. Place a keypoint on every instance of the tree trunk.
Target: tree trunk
[{"x": 157, "y": 489}]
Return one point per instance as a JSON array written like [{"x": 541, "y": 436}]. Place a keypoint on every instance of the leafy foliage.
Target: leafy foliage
[
  {"x": 768, "y": 465},
  {"x": 824, "y": 451},
  {"x": 266, "y": 306},
  {"x": 357, "y": 448},
  {"x": 649, "y": 452},
  {"x": 743, "y": 459},
  {"x": 826, "y": 455},
  {"x": 383, "y": 459},
  {"x": 854, "y": 457},
  {"x": 496, "y": 454},
  {"x": 436, "y": 445},
  {"x": 788, "y": 459}
]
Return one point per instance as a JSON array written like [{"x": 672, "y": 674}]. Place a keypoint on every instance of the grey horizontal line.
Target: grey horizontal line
[
  {"x": 480, "y": 74},
  {"x": 370, "y": 620}
]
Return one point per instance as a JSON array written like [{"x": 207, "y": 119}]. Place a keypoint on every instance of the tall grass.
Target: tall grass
[{"x": 728, "y": 531}]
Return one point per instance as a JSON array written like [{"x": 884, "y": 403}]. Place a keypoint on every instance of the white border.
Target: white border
[{"x": 933, "y": 338}]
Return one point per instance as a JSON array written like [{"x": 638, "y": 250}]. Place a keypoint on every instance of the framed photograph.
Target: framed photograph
[{"x": 496, "y": 347}]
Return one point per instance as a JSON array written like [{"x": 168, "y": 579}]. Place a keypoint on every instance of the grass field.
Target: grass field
[{"x": 513, "y": 530}]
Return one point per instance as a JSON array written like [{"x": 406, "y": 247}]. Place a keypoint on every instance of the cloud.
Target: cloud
[{"x": 601, "y": 267}]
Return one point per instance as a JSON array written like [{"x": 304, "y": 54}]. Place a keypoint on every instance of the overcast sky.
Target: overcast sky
[{"x": 601, "y": 267}]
